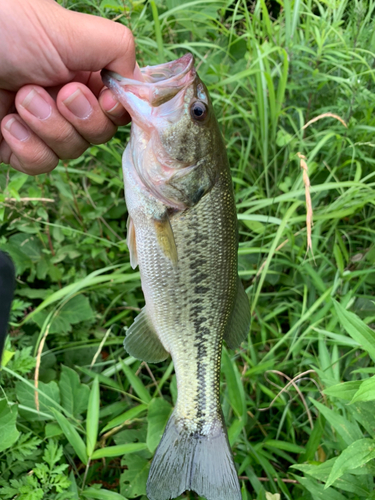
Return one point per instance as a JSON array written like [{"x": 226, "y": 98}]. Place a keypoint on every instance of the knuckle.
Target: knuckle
[
  {"x": 67, "y": 143},
  {"x": 103, "y": 135},
  {"x": 127, "y": 42},
  {"x": 73, "y": 153},
  {"x": 41, "y": 160}
]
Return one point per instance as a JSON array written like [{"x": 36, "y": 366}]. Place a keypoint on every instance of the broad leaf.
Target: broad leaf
[
  {"x": 345, "y": 390},
  {"x": 159, "y": 411},
  {"x": 77, "y": 309},
  {"x": 357, "y": 454},
  {"x": 349, "y": 431},
  {"x": 357, "y": 329},
  {"x": 74, "y": 395},
  {"x": 347, "y": 482},
  {"x": 133, "y": 479},
  {"x": 9, "y": 433},
  {"x": 318, "y": 492},
  {"x": 364, "y": 413},
  {"x": 49, "y": 397},
  {"x": 366, "y": 391}
]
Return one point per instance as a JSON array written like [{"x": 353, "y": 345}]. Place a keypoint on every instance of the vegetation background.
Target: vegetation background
[{"x": 298, "y": 397}]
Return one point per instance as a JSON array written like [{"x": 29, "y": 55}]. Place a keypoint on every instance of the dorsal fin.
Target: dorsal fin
[{"x": 239, "y": 322}]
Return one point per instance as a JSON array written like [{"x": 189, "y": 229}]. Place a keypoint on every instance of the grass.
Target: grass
[{"x": 298, "y": 396}]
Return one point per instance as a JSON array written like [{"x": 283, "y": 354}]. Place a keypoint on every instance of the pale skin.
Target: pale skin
[{"x": 52, "y": 100}]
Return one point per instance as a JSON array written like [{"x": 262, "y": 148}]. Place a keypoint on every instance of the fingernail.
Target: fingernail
[
  {"x": 117, "y": 110},
  {"x": 36, "y": 105},
  {"x": 78, "y": 104},
  {"x": 137, "y": 74},
  {"x": 17, "y": 129}
]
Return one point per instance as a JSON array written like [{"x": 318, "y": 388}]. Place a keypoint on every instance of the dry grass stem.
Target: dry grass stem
[
  {"x": 101, "y": 345},
  {"x": 149, "y": 371},
  {"x": 324, "y": 115},
  {"x": 309, "y": 210},
  {"x": 293, "y": 383},
  {"x": 26, "y": 200}
]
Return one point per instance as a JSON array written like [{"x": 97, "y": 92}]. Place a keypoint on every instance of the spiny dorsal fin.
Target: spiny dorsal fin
[
  {"x": 142, "y": 341},
  {"x": 132, "y": 244},
  {"x": 166, "y": 239},
  {"x": 239, "y": 322}
]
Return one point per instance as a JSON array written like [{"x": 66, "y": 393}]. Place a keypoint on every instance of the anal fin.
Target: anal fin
[
  {"x": 131, "y": 242},
  {"x": 142, "y": 341},
  {"x": 239, "y": 322}
]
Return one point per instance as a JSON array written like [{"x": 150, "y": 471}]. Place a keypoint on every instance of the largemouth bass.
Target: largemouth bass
[{"x": 182, "y": 232}]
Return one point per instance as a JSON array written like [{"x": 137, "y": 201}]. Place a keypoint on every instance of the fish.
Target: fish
[{"x": 183, "y": 235}]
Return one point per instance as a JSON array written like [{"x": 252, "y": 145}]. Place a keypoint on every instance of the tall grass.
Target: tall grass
[{"x": 298, "y": 396}]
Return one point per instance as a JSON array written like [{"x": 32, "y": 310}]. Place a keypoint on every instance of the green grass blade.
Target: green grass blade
[
  {"x": 235, "y": 388},
  {"x": 72, "y": 436},
  {"x": 158, "y": 34},
  {"x": 136, "y": 383},
  {"x": 102, "y": 494},
  {"x": 92, "y": 421},
  {"x": 116, "y": 451},
  {"x": 125, "y": 417}
]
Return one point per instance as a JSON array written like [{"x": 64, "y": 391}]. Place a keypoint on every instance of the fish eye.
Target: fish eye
[{"x": 198, "y": 111}]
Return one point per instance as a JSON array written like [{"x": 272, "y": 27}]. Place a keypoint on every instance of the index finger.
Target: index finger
[{"x": 95, "y": 43}]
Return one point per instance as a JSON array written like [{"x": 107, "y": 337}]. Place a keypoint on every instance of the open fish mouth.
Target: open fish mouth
[
  {"x": 174, "y": 70},
  {"x": 160, "y": 83}
]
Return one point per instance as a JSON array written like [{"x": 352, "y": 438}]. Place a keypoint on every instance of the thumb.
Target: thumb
[{"x": 91, "y": 43}]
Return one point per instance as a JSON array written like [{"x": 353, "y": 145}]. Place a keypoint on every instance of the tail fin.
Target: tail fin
[{"x": 203, "y": 464}]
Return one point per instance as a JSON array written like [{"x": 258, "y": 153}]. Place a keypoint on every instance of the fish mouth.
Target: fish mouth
[
  {"x": 160, "y": 83},
  {"x": 168, "y": 73}
]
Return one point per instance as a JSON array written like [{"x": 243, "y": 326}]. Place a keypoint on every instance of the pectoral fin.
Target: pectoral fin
[
  {"x": 165, "y": 238},
  {"x": 239, "y": 322},
  {"x": 142, "y": 341},
  {"x": 131, "y": 242}
]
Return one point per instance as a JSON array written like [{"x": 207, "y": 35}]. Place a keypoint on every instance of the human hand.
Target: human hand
[{"x": 50, "y": 62}]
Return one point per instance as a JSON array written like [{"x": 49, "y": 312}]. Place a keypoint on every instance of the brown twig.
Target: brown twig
[
  {"x": 266, "y": 479},
  {"x": 153, "y": 379}
]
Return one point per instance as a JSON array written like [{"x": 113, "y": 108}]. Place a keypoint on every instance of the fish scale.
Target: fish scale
[{"x": 182, "y": 233}]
